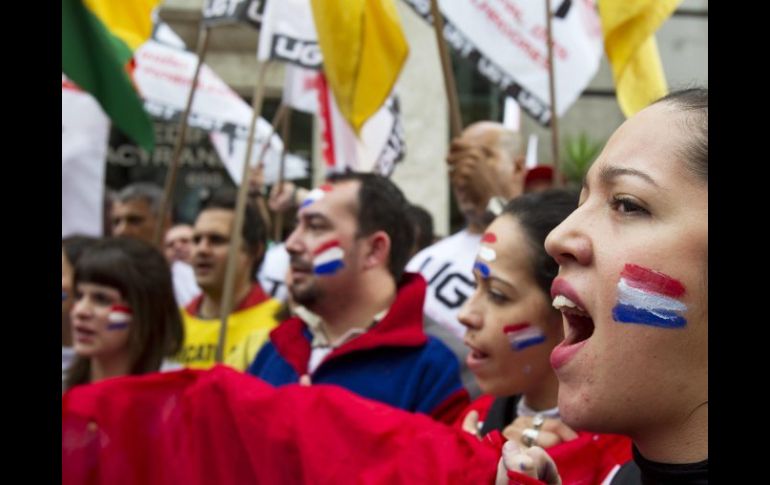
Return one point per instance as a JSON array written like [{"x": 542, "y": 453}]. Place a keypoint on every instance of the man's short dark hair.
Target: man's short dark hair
[
  {"x": 423, "y": 222},
  {"x": 147, "y": 191},
  {"x": 383, "y": 207},
  {"x": 254, "y": 232}
]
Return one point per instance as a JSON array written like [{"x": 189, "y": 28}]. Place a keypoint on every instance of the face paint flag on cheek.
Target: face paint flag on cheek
[
  {"x": 523, "y": 335},
  {"x": 315, "y": 195},
  {"x": 483, "y": 269},
  {"x": 489, "y": 237},
  {"x": 327, "y": 258},
  {"x": 648, "y": 297},
  {"x": 119, "y": 317},
  {"x": 485, "y": 252}
]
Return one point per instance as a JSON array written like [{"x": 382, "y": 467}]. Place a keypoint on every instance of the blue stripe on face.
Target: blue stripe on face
[
  {"x": 329, "y": 268},
  {"x": 528, "y": 343},
  {"x": 117, "y": 326},
  {"x": 483, "y": 269},
  {"x": 660, "y": 318}
]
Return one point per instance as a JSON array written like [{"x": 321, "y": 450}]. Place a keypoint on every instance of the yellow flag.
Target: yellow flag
[
  {"x": 129, "y": 20},
  {"x": 629, "y": 40},
  {"x": 363, "y": 50}
]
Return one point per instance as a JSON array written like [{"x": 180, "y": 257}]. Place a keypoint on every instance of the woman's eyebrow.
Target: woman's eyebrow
[{"x": 609, "y": 173}]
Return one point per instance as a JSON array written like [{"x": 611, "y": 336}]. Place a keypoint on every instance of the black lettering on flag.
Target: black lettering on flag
[
  {"x": 302, "y": 53},
  {"x": 454, "y": 282},
  {"x": 563, "y": 9}
]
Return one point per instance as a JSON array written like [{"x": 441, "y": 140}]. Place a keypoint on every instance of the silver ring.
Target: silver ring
[
  {"x": 537, "y": 422},
  {"x": 529, "y": 436}
]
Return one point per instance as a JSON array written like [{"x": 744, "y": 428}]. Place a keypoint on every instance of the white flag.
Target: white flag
[
  {"x": 85, "y": 131},
  {"x": 288, "y": 34},
  {"x": 506, "y": 40},
  {"x": 164, "y": 74}
]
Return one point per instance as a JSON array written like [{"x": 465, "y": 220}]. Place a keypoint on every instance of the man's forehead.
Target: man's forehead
[
  {"x": 132, "y": 206},
  {"x": 487, "y": 138},
  {"x": 213, "y": 217},
  {"x": 336, "y": 197}
]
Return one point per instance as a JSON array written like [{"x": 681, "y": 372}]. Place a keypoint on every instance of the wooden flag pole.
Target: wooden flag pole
[
  {"x": 173, "y": 168},
  {"x": 285, "y": 132},
  {"x": 240, "y": 207},
  {"x": 552, "y": 92},
  {"x": 259, "y": 200},
  {"x": 455, "y": 118}
]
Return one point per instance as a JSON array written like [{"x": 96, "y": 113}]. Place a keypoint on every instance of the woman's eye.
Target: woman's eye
[
  {"x": 626, "y": 205},
  {"x": 103, "y": 299},
  {"x": 497, "y": 297}
]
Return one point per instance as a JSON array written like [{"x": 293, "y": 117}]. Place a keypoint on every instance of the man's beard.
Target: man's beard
[{"x": 307, "y": 294}]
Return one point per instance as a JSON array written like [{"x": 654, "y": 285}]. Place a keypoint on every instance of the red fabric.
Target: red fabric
[
  {"x": 219, "y": 426},
  {"x": 401, "y": 327},
  {"x": 481, "y": 405},
  {"x": 325, "y": 115},
  {"x": 540, "y": 172},
  {"x": 586, "y": 460},
  {"x": 452, "y": 408},
  {"x": 256, "y": 296}
]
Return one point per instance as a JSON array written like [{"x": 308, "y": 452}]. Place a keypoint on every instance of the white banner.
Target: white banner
[
  {"x": 506, "y": 40},
  {"x": 164, "y": 74},
  {"x": 85, "y": 131},
  {"x": 222, "y": 12},
  {"x": 288, "y": 34},
  {"x": 381, "y": 144},
  {"x": 300, "y": 88}
]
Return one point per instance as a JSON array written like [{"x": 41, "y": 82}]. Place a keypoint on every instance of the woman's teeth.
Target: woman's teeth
[{"x": 564, "y": 304}]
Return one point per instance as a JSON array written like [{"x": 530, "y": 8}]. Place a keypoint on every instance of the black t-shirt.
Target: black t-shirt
[
  {"x": 642, "y": 471},
  {"x": 500, "y": 414}
]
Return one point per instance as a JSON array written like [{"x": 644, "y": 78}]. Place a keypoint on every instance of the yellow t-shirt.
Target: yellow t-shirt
[{"x": 247, "y": 331}]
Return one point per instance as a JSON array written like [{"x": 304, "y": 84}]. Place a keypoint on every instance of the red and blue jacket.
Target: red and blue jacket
[{"x": 394, "y": 362}]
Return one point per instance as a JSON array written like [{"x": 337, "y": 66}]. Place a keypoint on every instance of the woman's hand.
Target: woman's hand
[
  {"x": 533, "y": 462},
  {"x": 471, "y": 423},
  {"x": 550, "y": 433}
]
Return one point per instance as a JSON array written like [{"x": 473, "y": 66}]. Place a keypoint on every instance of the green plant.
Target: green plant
[{"x": 580, "y": 152}]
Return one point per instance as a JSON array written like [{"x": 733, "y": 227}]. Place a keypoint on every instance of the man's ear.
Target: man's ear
[
  {"x": 377, "y": 251},
  {"x": 518, "y": 176},
  {"x": 520, "y": 164}
]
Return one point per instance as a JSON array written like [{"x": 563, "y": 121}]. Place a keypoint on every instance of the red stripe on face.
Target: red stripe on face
[
  {"x": 326, "y": 187},
  {"x": 516, "y": 327},
  {"x": 121, "y": 309},
  {"x": 652, "y": 281},
  {"x": 489, "y": 237},
  {"x": 323, "y": 247}
]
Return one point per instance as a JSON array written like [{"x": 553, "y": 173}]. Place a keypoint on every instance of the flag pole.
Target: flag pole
[
  {"x": 260, "y": 200},
  {"x": 240, "y": 207},
  {"x": 168, "y": 192},
  {"x": 455, "y": 118},
  {"x": 285, "y": 132},
  {"x": 552, "y": 93}
]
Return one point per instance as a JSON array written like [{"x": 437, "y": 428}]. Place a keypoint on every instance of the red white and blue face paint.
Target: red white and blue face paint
[
  {"x": 523, "y": 335},
  {"x": 119, "y": 317},
  {"x": 648, "y": 297},
  {"x": 315, "y": 195},
  {"x": 483, "y": 269},
  {"x": 485, "y": 252},
  {"x": 327, "y": 258}
]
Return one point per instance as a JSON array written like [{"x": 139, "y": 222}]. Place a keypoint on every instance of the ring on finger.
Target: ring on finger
[{"x": 529, "y": 436}]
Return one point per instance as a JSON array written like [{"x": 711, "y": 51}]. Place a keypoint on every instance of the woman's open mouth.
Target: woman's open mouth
[{"x": 578, "y": 329}]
